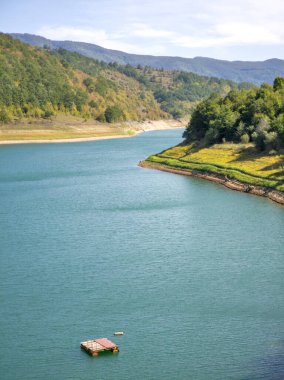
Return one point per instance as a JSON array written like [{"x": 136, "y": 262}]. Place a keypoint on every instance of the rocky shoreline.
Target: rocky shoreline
[{"x": 274, "y": 195}]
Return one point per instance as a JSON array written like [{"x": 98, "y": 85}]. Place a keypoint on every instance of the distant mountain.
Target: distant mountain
[{"x": 238, "y": 71}]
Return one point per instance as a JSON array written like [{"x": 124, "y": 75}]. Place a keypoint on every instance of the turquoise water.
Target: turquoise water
[{"x": 91, "y": 244}]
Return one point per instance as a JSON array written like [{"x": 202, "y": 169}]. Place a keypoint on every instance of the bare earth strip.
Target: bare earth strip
[
  {"x": 75, "y": 130},
  {"x": 57, "y": 140}
]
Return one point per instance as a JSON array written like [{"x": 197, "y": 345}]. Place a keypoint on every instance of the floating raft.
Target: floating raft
[
  {"x": 118, "y": 333},
  {"x": 93, "y": 347}
]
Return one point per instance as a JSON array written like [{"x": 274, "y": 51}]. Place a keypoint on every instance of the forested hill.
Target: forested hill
[
  {"x": 236, "y": 140},
  {"x": 36, "y": 82},
  {"x": 255, "y": 115},
  {"x": 239, "y": 71}
]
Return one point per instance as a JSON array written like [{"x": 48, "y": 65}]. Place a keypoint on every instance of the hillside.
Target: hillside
[
  {"x": 37, "y": 83},
  {"x": 237, "y": 141},
  {"x": 177, "y": 92},
  {"x": 238, "y": 71},
  {"x": 41, "y": 83}
]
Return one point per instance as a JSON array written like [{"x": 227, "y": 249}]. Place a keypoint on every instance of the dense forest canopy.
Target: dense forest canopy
[
  {"x": 39, "y": 82},
  {"x": 247, "y": 115}
]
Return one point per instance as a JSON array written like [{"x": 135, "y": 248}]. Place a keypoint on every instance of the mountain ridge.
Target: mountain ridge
[{"x": 255, "y": 72}]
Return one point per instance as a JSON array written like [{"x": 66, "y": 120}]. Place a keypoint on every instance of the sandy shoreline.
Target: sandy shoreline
[
  {"x": 57, "y": 141},
  {"x": 134, "y": 127},
  {"x": 273, "y": 195}
]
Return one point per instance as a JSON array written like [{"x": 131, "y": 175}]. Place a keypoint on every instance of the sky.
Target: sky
[{"x": 249, "y": 30}]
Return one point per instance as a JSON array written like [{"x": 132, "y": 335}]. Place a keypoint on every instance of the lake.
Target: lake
[{"x": 91, "y": 243}]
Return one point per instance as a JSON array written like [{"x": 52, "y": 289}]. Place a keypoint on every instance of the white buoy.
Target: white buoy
[{"x": 118, "y": 333}]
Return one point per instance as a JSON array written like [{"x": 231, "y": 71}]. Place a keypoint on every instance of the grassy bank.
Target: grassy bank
[{"x": 232, "y": 161}]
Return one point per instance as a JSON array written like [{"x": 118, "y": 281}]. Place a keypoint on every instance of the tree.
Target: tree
[
  {"x": 278, "y": 83},
  {"x": 241, "y": 116},
  {"x": 260, "y": 134},
  {"x": 203, "y": 114},
  {"x": 113, "y": 114}
]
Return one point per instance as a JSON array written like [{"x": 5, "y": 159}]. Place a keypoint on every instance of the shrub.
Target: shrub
[
  {"x": 101, "y": 118},
  {"x": 177, "y": 114},
  {"x": 5, "y": 116},
  {"x": 89, "y": 83},
  {"x": 47, "y": 114},
  {"x": 258, "y": 139},
  {"x": 93, "y": 104},
  {"x": 245, "y": 138},
  {"x": 270, "y": 140}
]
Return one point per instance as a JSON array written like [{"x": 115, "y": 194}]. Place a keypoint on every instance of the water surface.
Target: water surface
[{"x": 90, "y": 244}]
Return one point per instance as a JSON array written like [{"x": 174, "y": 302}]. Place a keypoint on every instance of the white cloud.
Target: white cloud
[
  {"x": 182, "y": 27},
  {"x": 221, "y": 24},
  {"x": 145, "y": 31},
  {"x": 238, "y": 32},
  {"x": 116, "y": 41},
  {"x": 94, "y": 36},
  {"x": 230, "y": 35},
  {"x": 74, "y": 34}
]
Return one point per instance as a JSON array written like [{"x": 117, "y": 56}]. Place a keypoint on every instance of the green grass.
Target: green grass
[{"x": 236, "y": 162}]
